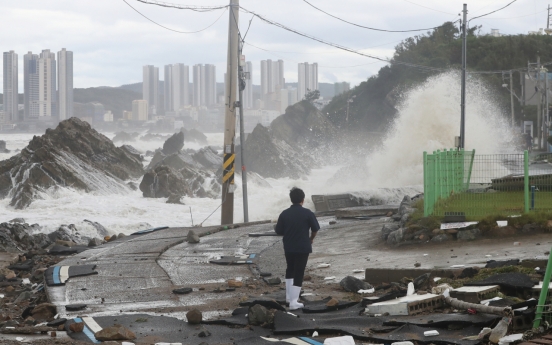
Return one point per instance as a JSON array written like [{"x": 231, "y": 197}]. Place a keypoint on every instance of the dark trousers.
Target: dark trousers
[{"x": 296, "y": 263}]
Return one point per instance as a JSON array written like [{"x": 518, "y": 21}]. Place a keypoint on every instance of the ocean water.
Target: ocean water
[{"x": 428, "y": 119}]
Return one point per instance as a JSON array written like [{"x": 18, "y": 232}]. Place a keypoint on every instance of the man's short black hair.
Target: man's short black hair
[{"x": 296, "y": 195}]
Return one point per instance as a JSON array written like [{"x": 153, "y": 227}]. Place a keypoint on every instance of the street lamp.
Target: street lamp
[{"x": 350, "y": 100}]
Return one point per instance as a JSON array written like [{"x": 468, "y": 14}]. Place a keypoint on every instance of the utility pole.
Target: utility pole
[
  {"x": 228, "y": 186},
  {"x": 539, "y": 105},
  {"x": 512, "y": 96},
  {"x": 545, "y": 119},
  {"x": 242, "y": 134},
  {"x": 463, "y": 97}
]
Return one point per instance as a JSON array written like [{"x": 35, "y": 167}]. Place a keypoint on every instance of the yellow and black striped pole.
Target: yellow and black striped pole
[{"x": 228, "y": 168}]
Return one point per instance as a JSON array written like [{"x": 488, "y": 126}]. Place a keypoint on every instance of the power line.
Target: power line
[
  {"x": 268, "y": 21},
  {"x": 486, "y": 14},
  {"x": 429, "y": 8},
  {"x": 164, "y": 27},
  {"x": 525, "y": 15},
  {"x": 183, "y": 7},
  {"x": 365, "y": 27}
]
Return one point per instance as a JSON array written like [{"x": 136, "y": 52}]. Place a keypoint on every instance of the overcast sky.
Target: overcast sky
[{"x": 111, "y": 42}]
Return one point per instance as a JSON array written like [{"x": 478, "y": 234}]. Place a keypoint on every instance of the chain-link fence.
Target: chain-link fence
[{"x": 458, "y": 181}]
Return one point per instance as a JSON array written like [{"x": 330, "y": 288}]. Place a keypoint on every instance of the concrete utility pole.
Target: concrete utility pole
[
  {"x": 242, "y": 134},
  {"x": 463, "y": 97},
  {"x": 228, "y": 187}
]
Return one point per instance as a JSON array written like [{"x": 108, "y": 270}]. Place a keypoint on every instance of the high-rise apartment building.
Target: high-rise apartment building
[
  {"x": 65, "y": 84},
  {"x": 47, "y": 84},
  {"x": 248, "y": 92},
  {"x": 30, "y": 85},
  {"x": 10, "y": 83},
  {"x": 272, "y": 77},
  {"x": 140, "y": 110},
  {"x": 176, "y": 86},
  {"x": 204, "y": 85},
  {"x": 307, "y": 79},
  {"x": 150, "y": 85}
]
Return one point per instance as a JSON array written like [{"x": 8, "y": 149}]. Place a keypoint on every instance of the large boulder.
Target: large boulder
[
  {"x": 194, "y": 136},
  {"x": 17, "y": 237},
  {"x": 208, "y": 158},
  {"x": 387, "y": 229},
  {"x": 74, "y": 156},
  {"x": 174, "y": 144},
  {"x": 289, "y": 146},
  {"x": 162, "y": 182}
]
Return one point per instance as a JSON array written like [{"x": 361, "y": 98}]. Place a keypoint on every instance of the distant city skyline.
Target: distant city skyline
[{"x": 118, "y": 41}]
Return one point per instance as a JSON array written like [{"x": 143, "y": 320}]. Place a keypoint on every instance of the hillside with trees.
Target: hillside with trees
[{"x": 375, "y": 99}]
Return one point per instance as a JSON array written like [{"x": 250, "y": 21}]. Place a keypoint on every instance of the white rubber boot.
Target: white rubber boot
[
  {"x": 289, "y": 284},
  {"x": 294, "y": 296}
]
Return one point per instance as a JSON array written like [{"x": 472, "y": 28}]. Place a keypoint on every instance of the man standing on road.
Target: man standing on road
[{"x": 294, "y": 224}]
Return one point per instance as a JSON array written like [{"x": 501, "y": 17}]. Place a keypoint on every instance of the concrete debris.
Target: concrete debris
[
  {"x": 352, "y": 284},
  {"x": 192, "y": 237},
  {"x": 431, "y": 333},
  {"x": 194, "y": 317},
  {"x": 260, "y": 316},
  {"x": 76, "y": 327},
  {"x": 116, "y": 332}
]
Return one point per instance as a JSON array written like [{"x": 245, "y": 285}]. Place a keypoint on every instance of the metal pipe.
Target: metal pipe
[
  {"x": 242, "y": 139},
  {"x": 463, "y": 97}
]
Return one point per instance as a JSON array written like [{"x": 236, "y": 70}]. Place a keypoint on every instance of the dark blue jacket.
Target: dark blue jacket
[{"x": 294, "y": 224}]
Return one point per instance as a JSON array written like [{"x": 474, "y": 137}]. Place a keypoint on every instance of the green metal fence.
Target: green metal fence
[{"x": 480, "y": 185}]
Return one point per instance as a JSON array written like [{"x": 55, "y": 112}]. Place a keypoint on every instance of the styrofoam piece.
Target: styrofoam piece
[
  {"x": 403, "y": 343},
  {"x": 446, "y": 293},
  {"x": 488, "y": 256},
  {"x": 446, "y": 226},
  {"x": 358, "y": 271},
  {"x": 26, "y": 281},
  {"x": 510, "y": 339},
  {"x": 330, "y": 278},
  {"x": 426, "y": 254},
  {"x": 345, "y": 340},
  {"x": 323, "y": 266},
  {"x": 372, "y": 290},
  {"x": 501, "y": 223},
  {"x": 19, "y": 339},
  {"x": 436, "y": 279},
  {"x": 410, "y": 290},
  {"x": 129, "y": 343},
  {"x": 159, "y": 343},
  {"x": 1, "y": 295},
  {"x": 315, "y": 334},
  {"x": 431, "y": 333},
  {"x": 457, "y": 266}
]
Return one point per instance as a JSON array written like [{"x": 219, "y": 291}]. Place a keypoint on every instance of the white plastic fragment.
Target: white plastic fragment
[
  {"x": 1, "y": 296},
  {"x": 410, "y": 290},
  {"x": 372, "y": 290},
  {"x": 19, "y": 338},
  {"x": 488, "y": 256},
  {"x": 484, "y": 332},
  {"x": 510, "y": 339},
  {"x": 289, "y": 314},
  {"x": 26, "y": 281},
  {"x": 431, "y": 333},
  {"x": 330, "y": 278},
  {"x": 315, "y": 334},
  {"x": 128, "y": 343},
  {"x": 358, "y": 271},
  {"x": 457, "y": 266},
  {"x": 436, "y": 279},
  {"x": 487, "y": 301},
  {"x": 426, "y": 254},
  {"x": 537, "y": 268},
  {"x": 501, "y": 223},
  {"x": 323, "y": 266},
  {"x": 446, "y": 293},
  {"x": 345, "y": 340},
  {"x": 517, "y": 243},
  {"x": 403, "y": 343}
]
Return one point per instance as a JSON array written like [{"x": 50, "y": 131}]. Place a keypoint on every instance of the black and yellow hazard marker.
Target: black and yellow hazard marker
[{"x": 228, "y": 168}]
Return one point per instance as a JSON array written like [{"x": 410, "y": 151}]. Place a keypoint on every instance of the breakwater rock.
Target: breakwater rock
[{"x": 74, "y": 156}]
